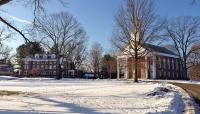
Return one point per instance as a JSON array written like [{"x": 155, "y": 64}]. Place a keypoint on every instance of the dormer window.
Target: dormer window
[
  {"x": 53, "y": 56},
  {"x": 36, "y": 56},
  {"x": 49, "y": 57},
  {"x": 41, "y": 57}
]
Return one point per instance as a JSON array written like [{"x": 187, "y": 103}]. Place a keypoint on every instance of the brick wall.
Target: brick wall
[
  {"x": 195, "y": 72},
  {"x": 168, "y": 68},
  {"x": 43, "y": 68},
  {"x": 141, "y": 68}
]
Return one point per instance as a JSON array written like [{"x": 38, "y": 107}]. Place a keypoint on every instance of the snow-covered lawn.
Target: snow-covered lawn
[{"x": 49, "y": 96}]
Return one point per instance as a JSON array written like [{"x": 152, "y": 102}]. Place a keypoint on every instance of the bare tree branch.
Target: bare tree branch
[
  {"x": 137, "y": 25},
  {"x": 184, "y": 32}
]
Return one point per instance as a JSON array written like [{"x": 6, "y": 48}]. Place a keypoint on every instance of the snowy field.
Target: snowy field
[{"x": 74, "y": 96}]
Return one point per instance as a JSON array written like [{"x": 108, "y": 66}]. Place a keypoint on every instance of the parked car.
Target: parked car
[{"x": 89, "y": 76}]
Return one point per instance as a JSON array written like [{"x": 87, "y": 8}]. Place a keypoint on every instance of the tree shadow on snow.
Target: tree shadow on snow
[
  {"x": 16, "y": 112},
  {"x": 73, "y": 108}
]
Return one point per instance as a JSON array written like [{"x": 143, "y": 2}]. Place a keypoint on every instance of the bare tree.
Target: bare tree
[
  {"x": 5, "y": 52},
  {"x": 194, "y": 2},
  {"x": 2, "y": 2},
  {"x": 38, "y": 7},
  {"x": 184, "y": 33},
  {"x": 61, "y": 32},
  {"x": 95, "y": 58},
  {"x": 137, "y": 24},
  {"x": 4, "y": 36},
  {"x": 109, "y": 65},
  {"x": 79, "y": 55}
]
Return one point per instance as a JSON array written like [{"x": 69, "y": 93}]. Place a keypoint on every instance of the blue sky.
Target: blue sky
[{"x": 96, "y": 16}]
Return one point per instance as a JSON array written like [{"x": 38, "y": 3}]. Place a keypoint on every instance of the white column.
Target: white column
[
  {"x": 154, "y": 67},
  {"x": 146, "y": 67},
  {"x": 118, "y": 69},
  {"x": 126, "y": 68}
]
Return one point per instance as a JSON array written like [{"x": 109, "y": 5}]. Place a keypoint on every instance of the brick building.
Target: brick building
[
  {"x": 158, "y": 63},
  {"x": 5, "y": 69},
  {"x": 194, "y": 72},
  {"x": 45, "y": 66}
]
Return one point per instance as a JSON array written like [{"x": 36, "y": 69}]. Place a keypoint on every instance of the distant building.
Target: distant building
[
  {"x": 194, "y": 72},
  {"x": 157, "y": 63},
  {"x": 5, "y": 69},
  {"x": 45, "y": 65}
]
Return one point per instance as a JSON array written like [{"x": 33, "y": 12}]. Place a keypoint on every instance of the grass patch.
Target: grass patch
[
  {"x": 14, "y": 93},
  {"x": 9, "y": 93}
]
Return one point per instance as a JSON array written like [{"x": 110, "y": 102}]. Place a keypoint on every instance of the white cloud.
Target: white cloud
[{"x": 18, "y": 19}]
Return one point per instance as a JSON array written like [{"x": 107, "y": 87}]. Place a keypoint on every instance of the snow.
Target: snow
[
  {"x": 176, "y": 81},
  {"x": 81, "y": 96}
]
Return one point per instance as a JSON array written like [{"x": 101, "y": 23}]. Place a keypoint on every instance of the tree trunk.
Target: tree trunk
[
  {"x": 59, "y": 71},
  {"x": 185, "y": 74},
  {"x": 136, "y": 70},
  {"x": 109, "y": 75}
]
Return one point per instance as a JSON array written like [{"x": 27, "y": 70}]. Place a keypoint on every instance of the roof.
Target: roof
[{"x": 159, "y": 49}]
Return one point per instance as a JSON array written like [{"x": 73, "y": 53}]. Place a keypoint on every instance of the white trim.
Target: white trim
[
  {"x": 164, "y": 54},
  {"x": 149, "y": 54},
  {"x": 123, "y": 56}
]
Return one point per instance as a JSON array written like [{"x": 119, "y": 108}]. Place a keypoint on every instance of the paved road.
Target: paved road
[{"x": 193, "y": 89}]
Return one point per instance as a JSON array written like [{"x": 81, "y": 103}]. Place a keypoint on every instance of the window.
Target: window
[
  {"x": 160, "y": 73},
  {"x": 38, "y": 66},
  {"x": 169, "y": 75},
  {"x": 37, "y": 56},
  {"x": 172, "y": 64},
  {"x": 54, "y": 72},
  {"x": 33, "y": 62},
  {"x": 25, "y": 72},
  {"x": 49, "y": 57},
  {"x": 54, "y": 66},
  {"x": 26, "y": 62},
  {"x": 53, "y": 56},
  {"x": 176, "y": 64},
  {"x": 159, "y": 62},
  {"x": 41, "y": 57},
  {"x": 164, "y": 74},
  {"x": 46, "y": 66},
  {"x": 45, "y": 57},
  {"x": 50, "y": 72},
  {"x": 25, "y": 67},
  {"x": 50, "y": 66},
  {"x": 169, "y": 65},
  {"x": 164, "y": 63}
]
